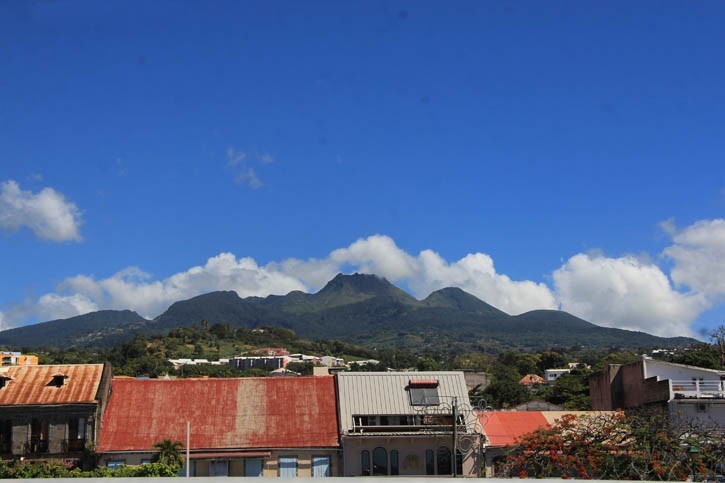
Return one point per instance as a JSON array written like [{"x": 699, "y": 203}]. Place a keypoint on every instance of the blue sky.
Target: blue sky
[{"x": 573, "y": 149}]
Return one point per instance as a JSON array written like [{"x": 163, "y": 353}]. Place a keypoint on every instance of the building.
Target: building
[
  {"x": 281, "y": 426},
  {"x": 267, "y": 363},
  {"x": 8, "y": 358},
  {"x": 51, "y": 412},
  {"x": 551, "y": 375},
  {"x": 270, "y": 351},
  {"x": 531, "y": 380},
  {"x": 403, "y": 424},
  {"x": 686, "y": 393}
]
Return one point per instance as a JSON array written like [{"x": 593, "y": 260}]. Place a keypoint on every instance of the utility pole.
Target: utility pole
[
  {"x": 454, "y": 455},
  {"x": 188, "y": 461}
]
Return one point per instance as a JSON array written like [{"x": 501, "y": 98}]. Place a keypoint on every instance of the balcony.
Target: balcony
[
  {"x": 73, "y": 445},
  {"x": 698, "y": 389},
  {"x": 36, "y": 445}
]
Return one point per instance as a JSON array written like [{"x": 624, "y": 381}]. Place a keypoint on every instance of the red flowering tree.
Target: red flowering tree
[{"x": 617, "y": 446}]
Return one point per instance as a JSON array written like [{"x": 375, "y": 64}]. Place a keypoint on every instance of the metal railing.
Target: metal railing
[{"x": 699, "y": 389}]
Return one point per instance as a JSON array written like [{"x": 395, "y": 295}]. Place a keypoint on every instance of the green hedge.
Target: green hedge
[{"x": 18, "y": 469}]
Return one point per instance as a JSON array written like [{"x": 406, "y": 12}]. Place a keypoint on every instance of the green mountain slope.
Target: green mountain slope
[
  {"x": 103, "y": 328},
  {"x": 363, "y": 309}
]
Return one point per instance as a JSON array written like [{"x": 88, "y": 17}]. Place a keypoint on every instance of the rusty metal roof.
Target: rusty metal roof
[
  {"x": 30, "y": 385},
  {"x": 224, "y": 413}
]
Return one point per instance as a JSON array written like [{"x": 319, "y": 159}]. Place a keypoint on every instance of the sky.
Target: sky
[{"x": 555, "y": 155}]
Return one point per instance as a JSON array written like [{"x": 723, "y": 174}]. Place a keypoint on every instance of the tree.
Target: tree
[
  {"x": 169, "y": 453},
  {"x": 640, "y": 446},
  {"x": 717, "y": 337}
]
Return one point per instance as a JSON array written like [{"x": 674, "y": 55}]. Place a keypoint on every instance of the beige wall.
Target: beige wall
[
  {"x": 236, "y": 465},
  {"x": 411, "y": 453}
]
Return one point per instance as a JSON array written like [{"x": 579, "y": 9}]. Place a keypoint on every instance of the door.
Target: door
[
  {"x": 321, "y": 466},
  {"x": 253, "y": 467}
]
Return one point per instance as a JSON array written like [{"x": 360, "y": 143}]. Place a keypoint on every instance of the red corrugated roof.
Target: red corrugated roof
[
  {"x": 29, "y": 384},
  {"x": 503, "y": 427},
  {"x": 224, "y": 413}
]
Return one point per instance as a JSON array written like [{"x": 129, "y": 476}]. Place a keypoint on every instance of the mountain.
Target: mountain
[
  {"x": 363, "y": 309},
  {"x": 102, "y": 328}
]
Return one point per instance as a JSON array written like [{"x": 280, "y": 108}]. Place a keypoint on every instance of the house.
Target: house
[
  {"x": 280, "y": 426},
  {"x": 8, "y": 358},
  {"x": 270, "y": 351},
  {"x": 687, "y": 393},
  {"x": 502, "y": 429},
  {"x": 531, "y": 380},
  {"x": 267, "y": 363},
  {"x": 551, "y": 375},
  {"x": 394, "y": 423},
  {"x": 51, "y": 412}
]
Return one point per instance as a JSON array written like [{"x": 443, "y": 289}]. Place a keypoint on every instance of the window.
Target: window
[
  {"x": 4, "y": 380},
  {"x": 444, "y": 461},
  {"x": 423, "y": 392},
  {"x": 459, "y": 462},
  {"x": 288, "y": 466},
  {"x": 145, "y": 461},
  {"x": 114, "y": 464},
  {"x": 253, "y": 467},
  {"x": 430, "y": 468},
  {"x": 702, "y": 407},
  {"x": 394, "y": 469},
  {"x": 219, "y": 468},
  {"x": 380, "y": 461},
  {"x": 321, "y": 467},
  {"x": 6, "y": 436},
  {"x": 365, "y": 462},
  {"x": 76, "y": 434}
]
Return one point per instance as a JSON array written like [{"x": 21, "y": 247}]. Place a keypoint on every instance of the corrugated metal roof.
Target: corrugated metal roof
[
  {"x": 224, "y": 413},
  {"x": 386, "y": 393},
  {"x": 30, "y": 384}
]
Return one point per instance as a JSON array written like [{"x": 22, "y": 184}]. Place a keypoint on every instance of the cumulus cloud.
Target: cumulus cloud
[
  {"x": 47, "y": 213},
  {"x": 629, "y": 292},
  {"x": 698, "y": 254},
  {"x": 626, "y": 293}
]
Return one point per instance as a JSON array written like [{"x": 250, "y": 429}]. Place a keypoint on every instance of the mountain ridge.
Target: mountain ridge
[{"x": 358, "y": 308}]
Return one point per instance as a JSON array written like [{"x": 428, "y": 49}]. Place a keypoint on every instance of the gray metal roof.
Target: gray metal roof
[{"x": 385, "y": 393}]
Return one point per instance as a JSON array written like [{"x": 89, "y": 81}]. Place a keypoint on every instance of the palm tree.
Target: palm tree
[{"x": 168, "y": 452}]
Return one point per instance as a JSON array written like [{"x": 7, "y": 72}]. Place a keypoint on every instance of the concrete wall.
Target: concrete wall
[
  {"x": 270, "y": 466},
  {"x": 411, "y": 453}
]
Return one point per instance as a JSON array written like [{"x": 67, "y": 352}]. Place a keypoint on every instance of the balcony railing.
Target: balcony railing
[
  {"x": 36, "y": 445},
  {"x": 699, "y": 389},
  {"x": 73, "y": 445}
]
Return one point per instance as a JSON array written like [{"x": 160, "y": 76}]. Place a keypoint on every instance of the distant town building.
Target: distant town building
[
  {"x": 17, "y": 359},
  {"x": 551, "y": 375},
  {"x": 531, "y": 379}
]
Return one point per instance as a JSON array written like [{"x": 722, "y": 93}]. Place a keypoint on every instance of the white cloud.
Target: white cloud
[
  {"x": 266, "y": 158},
  {"x": 699, "y": 258},
  {"x": 249, "y": 177},
  {"x": 47, "y": 213},
  {"x": 234, "y": 157},
  {"x": 626, "y": 293}
]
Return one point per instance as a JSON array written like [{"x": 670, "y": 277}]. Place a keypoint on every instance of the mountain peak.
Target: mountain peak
[
  {"x": 357, "y": 287},
  {"x": 454, "y": 297}
]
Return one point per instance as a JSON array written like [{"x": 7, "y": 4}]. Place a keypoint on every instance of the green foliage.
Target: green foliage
[
  {"x": 571, "y": 391},
  {"x": 168, "y": 452},
  {"x": 17, "y": 470}
]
